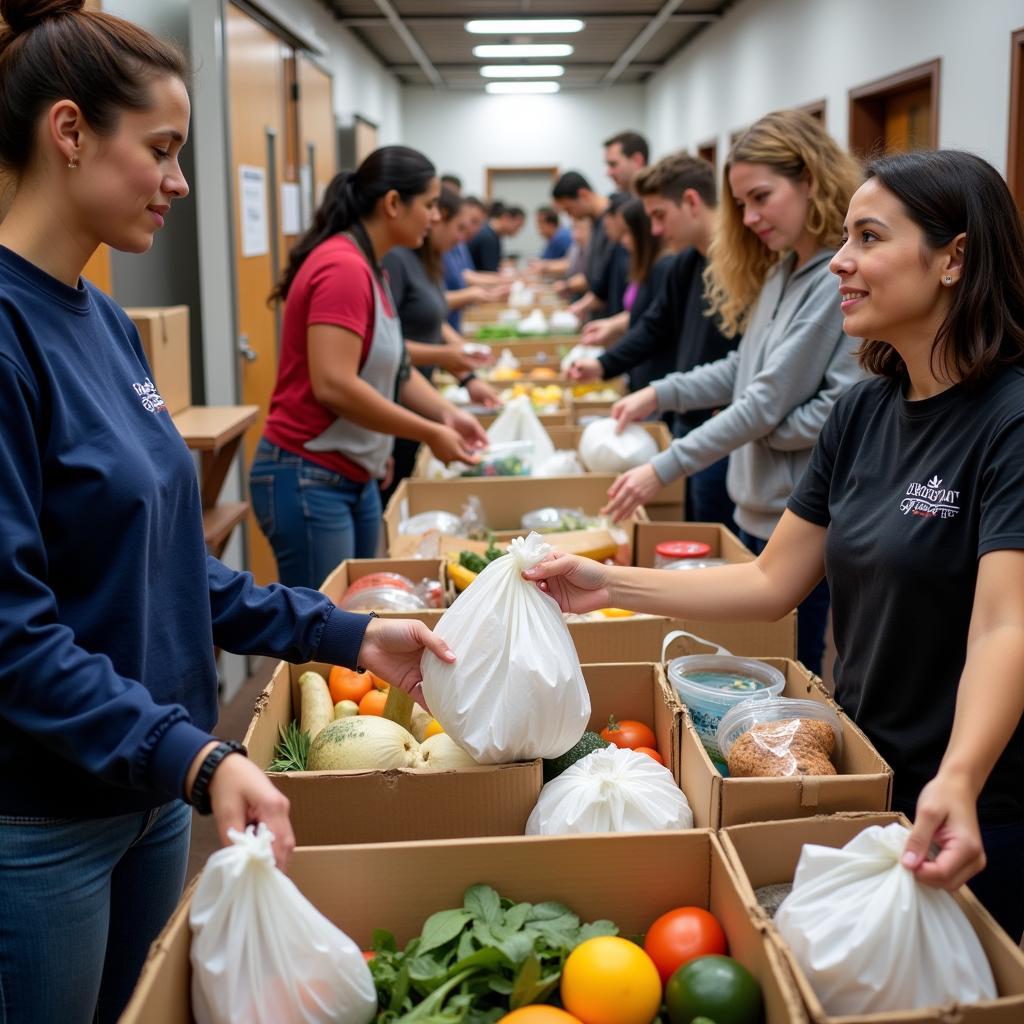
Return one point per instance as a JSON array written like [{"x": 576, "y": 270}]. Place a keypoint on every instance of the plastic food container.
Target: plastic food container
[
  {"x": 551, "y": 520},
  {"x": 694, "y": 563},
  {"x": 712, "y": 684},
  {"x": 504, "y": 458},
  {"x": 390, "y": 591},
  {"x": 745, "y": 715},
  {"x": 443, "y": 522},
  {"x": 669, "y": 551}
]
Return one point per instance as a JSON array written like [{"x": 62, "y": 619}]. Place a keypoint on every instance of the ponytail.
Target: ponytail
[{"x": 352, "y": 196}]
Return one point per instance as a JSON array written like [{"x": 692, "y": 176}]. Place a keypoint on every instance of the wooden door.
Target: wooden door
[
  {"x": 1015, "y": 156},
  {"x": 908, "y": 120},
  {"x": 366, "y": 139},
  {"x": 317, "y": 141},
  {"x": 256, "y": 104}
]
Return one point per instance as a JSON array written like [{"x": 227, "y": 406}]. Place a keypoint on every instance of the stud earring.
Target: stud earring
[{"x": 947, "y": 280}]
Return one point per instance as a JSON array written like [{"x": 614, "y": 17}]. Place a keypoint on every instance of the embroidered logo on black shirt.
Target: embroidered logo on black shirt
[{"x": 931, "y": 500}]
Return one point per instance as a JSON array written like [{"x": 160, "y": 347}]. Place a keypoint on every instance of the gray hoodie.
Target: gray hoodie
[{"x": 793, "y": 363}]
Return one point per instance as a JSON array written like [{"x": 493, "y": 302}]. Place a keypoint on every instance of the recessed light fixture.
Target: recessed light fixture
[
  {"x": 492, "y": 51},
  {"x": 524, "y": 26},
  {"x": 521, "y": 88},
  {"x": 522, "y": 71}
]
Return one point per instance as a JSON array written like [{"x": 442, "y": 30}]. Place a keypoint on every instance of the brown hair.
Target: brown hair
[
  {"x": 54, "y": 49},
  {"x": 448, "y": 204},
  {"x": 672, "y": 175},
  {"x": 947, "y": 193},
  {"x": 647, "y": 249}
]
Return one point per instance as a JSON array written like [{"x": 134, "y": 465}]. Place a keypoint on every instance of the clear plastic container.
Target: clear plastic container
[
  {"x": 551, "y": 520},
  {"x": 670, "y": 551},
  {"x": 381, "y": 599},
  {"x": 712, "y": 684},
  {"x": 694, "y": 563},
  {"x": 504, "y": 458},
  {"x": 443, "y": 522},
  {"x": 772, "y": 753}
]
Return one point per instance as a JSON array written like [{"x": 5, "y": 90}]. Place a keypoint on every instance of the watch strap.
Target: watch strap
[{"x": 199, "y": 797}]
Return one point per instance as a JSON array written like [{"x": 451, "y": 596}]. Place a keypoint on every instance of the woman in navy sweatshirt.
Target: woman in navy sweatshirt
[{"x": 109, "y": 605}]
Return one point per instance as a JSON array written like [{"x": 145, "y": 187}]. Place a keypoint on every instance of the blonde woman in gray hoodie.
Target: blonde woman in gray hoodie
[{"x": 768, "y": 278}]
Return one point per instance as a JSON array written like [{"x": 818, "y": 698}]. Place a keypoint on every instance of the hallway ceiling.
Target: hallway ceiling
[{"x": 424, "y": 42}]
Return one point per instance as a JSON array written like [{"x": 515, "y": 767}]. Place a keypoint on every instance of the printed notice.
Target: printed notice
[
  {"x": 291, "y": 208},
  {"x": 252, "y": 190}
]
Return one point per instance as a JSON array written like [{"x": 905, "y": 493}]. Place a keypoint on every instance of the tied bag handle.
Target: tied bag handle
[{"x": 672, "y": 637}]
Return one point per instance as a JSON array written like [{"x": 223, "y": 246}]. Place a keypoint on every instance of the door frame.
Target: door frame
[
  {"x": 1014, "y": 157},
  {"x": 928, "y": 73},
  {"x": 489, "y": 173}
]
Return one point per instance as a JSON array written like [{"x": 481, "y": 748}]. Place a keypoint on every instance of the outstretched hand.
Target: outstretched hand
[
  {"x": 577, "y": 584},
  {"x": 392, "y": 649}
]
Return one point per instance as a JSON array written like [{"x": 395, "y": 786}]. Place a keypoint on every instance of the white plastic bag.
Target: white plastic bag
[
  {"x": 535, "y": 323},
  {"x": 871, "y": 938},
  {"x": 604, "y": 451},
  {"x": 610, "y": 790},
  {"x": 561, "y": 463},
  {"x": 518, "y": 422},
  {"x": 578, "y": 353},
  {"x": 262, "y": 953},
  {"x": 516, "y": 690}
]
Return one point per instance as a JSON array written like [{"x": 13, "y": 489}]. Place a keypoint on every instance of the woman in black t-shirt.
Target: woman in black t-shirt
[{"x": 913, "y": 506}]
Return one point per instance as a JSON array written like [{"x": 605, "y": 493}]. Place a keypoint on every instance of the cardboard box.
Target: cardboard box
[
  {"x": 505, "y": 501},
  {"x": 630, "y": 879},
  {"x": 747, "y": 638},
  {"x": 864, "y": 782},
  {"x": 165, "y": 340},
  {"x": 415, "y": 569},
  {"x": 767, "y": 853},
  {"x": 556, "y": 418},
  {"x": 387, "y": 806}
]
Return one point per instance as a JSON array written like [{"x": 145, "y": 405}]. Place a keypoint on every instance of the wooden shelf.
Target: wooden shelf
[
  {"x": 219, "y": 521},
  {"x": 211, "y": 427}
]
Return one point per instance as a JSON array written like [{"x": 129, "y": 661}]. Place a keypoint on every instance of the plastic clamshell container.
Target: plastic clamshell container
[
  {"x": 504, "y": 458},
  {"x": 383, "y": 599},
  {"x": 671, "y": 551},
  {"x": 737, "y": 680},
  {"x": 443, "y": 522},
  {"x": 545, "y": 520},
  {"x": 693, "y": 563},
  {"x": 745, "y": 715}
]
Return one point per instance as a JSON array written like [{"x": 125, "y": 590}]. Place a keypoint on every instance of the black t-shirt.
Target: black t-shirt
[
  {"x": 913, "y": 494},
  {"x": 419, "y": 300},
  {"x": 597, "y": 253},
  {"x": 485, "y": 248},
  {"x": 611, "y": 287}
]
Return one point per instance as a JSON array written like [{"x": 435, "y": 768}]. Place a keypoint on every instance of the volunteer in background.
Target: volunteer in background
[
  {"x": 415, "y": 278},
  {"x": 110, "y": 606},
  {"x": 557, "y": 238},
  {"x": 607, "y": 292},
  {"x": 486, "y": 246},
  {"x": 768, "y": 277},
  {"x": 452, "y": 182},
  {"x": 573, "y": 195},
  {"x": 913, "y": 506},
  {"x": 625, "y": 156},
  {"x": 326, "y": 445},
  {"x": 675, "y": 333}
]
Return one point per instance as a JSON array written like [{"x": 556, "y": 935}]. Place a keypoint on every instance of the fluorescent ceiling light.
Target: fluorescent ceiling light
[
  {"x": 524, "y": 26},
  {"x": 522, "y": 71},
  {"x": 500, "y": 50},
  {"x": 521, "y": 88}
]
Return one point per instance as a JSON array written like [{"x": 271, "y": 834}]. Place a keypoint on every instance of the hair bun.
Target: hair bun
[{"x": 21, "y": 15}]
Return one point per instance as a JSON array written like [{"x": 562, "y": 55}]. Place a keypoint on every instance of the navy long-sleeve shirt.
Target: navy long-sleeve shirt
[{"x": 109, "y": 604}]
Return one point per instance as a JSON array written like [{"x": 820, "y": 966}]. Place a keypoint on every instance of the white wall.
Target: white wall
[
  {"x": 768, "y": 54},
  {"x": 465, "y": 132}
]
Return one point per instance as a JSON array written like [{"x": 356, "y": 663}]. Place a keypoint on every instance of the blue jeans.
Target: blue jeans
[
  {"x": 80, "y": 903},
  {"x": 313, "y": 518},
  {"x": 811, "y": 615},
  {"x": 707, "y": 500}
]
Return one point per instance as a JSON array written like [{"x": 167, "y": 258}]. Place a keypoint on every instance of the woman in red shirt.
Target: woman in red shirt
[{"x": 335, "y": 410}]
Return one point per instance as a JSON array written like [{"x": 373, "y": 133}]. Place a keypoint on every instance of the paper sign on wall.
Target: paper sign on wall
[
  {"x": 252, "y": 192},
  {"x": 306, "y": 193},
  {"x": 291, "y": 209}
]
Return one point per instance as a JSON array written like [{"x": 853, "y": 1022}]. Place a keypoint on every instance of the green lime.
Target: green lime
[{"x": 715, "y": 987}]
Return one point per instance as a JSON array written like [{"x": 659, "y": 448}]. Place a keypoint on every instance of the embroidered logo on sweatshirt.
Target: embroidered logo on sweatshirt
[
  {"x": 931, "y": 500},
  {"x": 151, "y": 400}
]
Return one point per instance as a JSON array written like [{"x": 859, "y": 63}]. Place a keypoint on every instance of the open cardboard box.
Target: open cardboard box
[
  {"x": 415, "y": 569},
  {"x": 559, "y": 417},
  {"x": 767, "y": 853},
  {"x": 164, "y": 333},
  {"x": 387, "y": 806},
  {"x": 505, "y": 500},
  {"x": 748, "y": 638},
  {"x": 629, "y": 879},
  {"x": 864, "y": 782}
]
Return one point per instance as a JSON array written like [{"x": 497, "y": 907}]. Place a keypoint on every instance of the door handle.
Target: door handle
[{"x": 246, "y": 350}]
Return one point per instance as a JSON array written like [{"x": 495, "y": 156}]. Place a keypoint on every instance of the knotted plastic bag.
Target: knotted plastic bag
[
  {"x": 605, "y": 451},
  {"x": 871, "y": 938},
  {"x": 518, "y": 422},
  {"x": 262, "y": 953},
  {"x": 610, "y": 790},
  {"x": 516, "y": 690}
]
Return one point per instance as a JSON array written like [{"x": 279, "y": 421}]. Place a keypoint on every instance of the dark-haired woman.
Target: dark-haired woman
[
  {"x": 109, "y": 605},
  {"x": 326, "y": 446},
  {"x": 913, "y": 506}
]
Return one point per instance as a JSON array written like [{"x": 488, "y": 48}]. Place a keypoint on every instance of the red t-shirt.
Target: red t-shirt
[{"x": 334, "y": 286}]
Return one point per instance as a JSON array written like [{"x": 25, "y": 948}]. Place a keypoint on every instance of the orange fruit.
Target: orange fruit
[
  {"x": 378, "y": 683},
  {"x": 345, "y": 684},
  {"x": 650, "y": 752},
  {"x": 373, "y": 703},
  {"x": 432, "y": 729},
  {"x": 538, "y": 1013}
]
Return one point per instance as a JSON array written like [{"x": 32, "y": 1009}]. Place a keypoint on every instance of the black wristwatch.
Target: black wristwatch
[
  {"x": 465, "y": 380},
  {"x": 199, "y": 798}
]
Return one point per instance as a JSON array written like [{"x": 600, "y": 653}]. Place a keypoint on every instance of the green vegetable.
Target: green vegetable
[
  {"x": 589, "y": 742},
  {"x": 713, "y": 986},
  {"x": 477, "y": 563},
  {"x": 292, "y": 753},
  {"x": 476, "y": 963}
]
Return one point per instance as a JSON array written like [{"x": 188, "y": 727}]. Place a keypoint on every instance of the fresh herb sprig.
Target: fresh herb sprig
[{"x": 292, "y": 753}]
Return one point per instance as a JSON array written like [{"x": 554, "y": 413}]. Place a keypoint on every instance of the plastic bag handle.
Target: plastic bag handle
[{"x": 677, "y": 633}]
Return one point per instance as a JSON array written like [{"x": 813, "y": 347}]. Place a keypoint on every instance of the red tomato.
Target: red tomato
[
  {"x": 650, "y": 752},
  {"x": 368, "y": 955},
  {"x": 680, "y": 936},
  {"x": 628, "y": 734}
]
